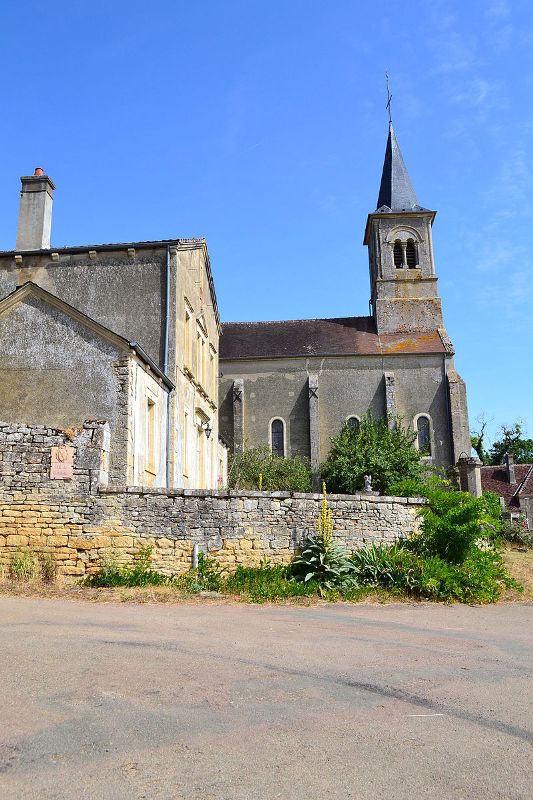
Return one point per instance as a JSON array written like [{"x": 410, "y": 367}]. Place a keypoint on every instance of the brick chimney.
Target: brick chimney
[
  {"x": 509, "y": 463},
  {"x": 35, "y": 213}
]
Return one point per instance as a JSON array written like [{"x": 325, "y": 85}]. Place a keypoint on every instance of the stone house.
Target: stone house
[
  {"x": 514, "y": 485},
  {"x": 127, "y": 333},
  {"x": 293, "y": 384}
]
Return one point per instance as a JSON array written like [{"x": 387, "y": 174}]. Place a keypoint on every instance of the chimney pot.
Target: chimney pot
[{"x": 38, "y": 171}]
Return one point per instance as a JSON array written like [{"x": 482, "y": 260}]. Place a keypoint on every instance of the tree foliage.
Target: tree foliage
[
  {"x": 386, "y": 453},
  {"x": 512, "y": 441},
  {"x": 257, "y": 468},
  {"x": 477, "y": 439}
]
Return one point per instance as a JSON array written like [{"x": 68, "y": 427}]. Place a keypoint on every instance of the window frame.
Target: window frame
[
  {"x": 427, "y": 456},
  {"x": 284, "y": 427},
  {"x": 151, "y": 461},
  {"x": 353, "y": 416},
  {"x": 187, "y": 336}
]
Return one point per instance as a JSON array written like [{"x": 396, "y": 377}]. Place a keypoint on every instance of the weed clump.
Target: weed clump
[
  {"x": 138, "y": 573},
  {"x": 23, "y": 565}
]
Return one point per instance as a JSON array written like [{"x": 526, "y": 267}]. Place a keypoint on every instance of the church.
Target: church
[
  {"x": 129, "y": 334},
  {"x": 293, "y": 384}
]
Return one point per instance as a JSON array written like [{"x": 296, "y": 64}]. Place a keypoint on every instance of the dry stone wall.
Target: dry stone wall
[{"x": 81, "y": 521}]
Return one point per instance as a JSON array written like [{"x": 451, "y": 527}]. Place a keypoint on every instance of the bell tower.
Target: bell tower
[{"x": 403, "y": 283}]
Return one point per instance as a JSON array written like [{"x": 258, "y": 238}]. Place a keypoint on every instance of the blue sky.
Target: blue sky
[{"x": 261, "y": 126}]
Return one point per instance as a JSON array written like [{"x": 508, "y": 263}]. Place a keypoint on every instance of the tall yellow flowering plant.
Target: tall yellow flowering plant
[
  {"x": 325, "y": 521},
  {"x": 322, "y": 560}
]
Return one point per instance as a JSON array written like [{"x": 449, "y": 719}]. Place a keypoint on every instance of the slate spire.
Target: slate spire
[{"x": 396, "y": 191}]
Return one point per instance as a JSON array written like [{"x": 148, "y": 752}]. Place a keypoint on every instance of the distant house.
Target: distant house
[{"x": 514, "y": 484}]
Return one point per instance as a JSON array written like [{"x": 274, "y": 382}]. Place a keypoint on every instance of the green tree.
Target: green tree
[
  {"x": 257, "y": 468},
  {"x": 387, "y": 453},
  {"x": 512, "y": 441},
  {"x": 477, "y": 439}
]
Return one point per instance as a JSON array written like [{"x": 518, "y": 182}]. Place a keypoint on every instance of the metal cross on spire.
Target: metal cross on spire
[{"x": 389, "y": 98}]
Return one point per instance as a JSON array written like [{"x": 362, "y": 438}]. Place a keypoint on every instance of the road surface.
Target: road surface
[{"x": 233, "y": 702}]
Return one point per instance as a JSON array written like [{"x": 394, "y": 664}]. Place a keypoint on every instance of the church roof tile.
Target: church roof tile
[{"x": 342, "y": 336}]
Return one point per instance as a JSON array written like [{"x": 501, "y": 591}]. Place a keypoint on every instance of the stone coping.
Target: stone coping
[{"x": 231, "y": 493}]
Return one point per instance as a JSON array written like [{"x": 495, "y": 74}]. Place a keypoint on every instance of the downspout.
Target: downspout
[{"x": 165, "y": 362}]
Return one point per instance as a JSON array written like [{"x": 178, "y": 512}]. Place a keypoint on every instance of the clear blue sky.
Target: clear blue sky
[{"x": 261, "y": 126}]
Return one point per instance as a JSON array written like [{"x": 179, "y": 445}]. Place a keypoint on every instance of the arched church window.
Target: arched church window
[
  {"x": 277, "y": 437},
  {"x": 353, "y": 423},
  {"x": 410, "y": 254},
  {"x": 423, "y": 433},
  {"x": 398, "y": 254}
]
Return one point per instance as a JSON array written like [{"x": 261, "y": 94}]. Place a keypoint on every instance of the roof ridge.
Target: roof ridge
[
  {"x": 524, "y": 479},
  {"x": 88, "y": 246},
  {"x": 285, "y": 321}
]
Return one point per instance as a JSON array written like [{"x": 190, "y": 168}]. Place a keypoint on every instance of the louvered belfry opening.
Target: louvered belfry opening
[
  {"x": 410, "y": 254},
  {"x": 398, "y": 254}
]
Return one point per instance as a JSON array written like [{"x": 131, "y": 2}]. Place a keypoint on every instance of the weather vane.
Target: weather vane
[{"x": 389, "y": 97}]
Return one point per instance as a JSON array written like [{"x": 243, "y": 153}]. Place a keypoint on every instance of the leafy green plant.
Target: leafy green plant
[
  {"x": 23, "y": 565},
  {"x": 453, "y": 523},
  {"x": 375, "y": 448},
  {"x": 480, "y": 578},
  {"x": 138, "y": 573},
  {"x": 322, "y": 560},
  {"x": 267, "y": 582},
  {"x": 408, "y": 487},
  {"x": 207, "y": 577},
  {"x": 256, "y": 468}
]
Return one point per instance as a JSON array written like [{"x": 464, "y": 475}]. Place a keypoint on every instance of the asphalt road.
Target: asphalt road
[{"x": 216, "y": 702}]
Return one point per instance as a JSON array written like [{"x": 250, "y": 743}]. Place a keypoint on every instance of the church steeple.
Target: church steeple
[
  {"x": 396, "y": 191},
  {"x": 403, "y": 284}
]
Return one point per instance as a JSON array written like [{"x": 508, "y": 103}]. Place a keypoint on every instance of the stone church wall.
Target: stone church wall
[
  {"x": 80, "y": 520},
  {"x": 346, "y": 386}
]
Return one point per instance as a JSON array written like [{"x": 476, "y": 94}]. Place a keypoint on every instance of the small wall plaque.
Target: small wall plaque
[{"x": 62, "y": 463}]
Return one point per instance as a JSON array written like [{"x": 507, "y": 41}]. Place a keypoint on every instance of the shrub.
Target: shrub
[
  {"x": 516, "y": 533},
  {"x": 480, "y": 578},
  {"x": 322, "y": 560},
  {"x": 23, "y": 565},
  {"x": 257, "y": 467},
  {"x": 386, "y": 453},
  {"x": 408, "y": 487},
  {"x": 453, "y": 523}
]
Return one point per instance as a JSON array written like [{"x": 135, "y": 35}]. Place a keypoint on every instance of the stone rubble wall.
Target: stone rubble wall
[{"x": 81, "y": 523}]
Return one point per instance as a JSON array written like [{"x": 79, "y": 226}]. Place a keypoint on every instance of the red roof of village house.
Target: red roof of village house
[{"x": 496, "y": 479}]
